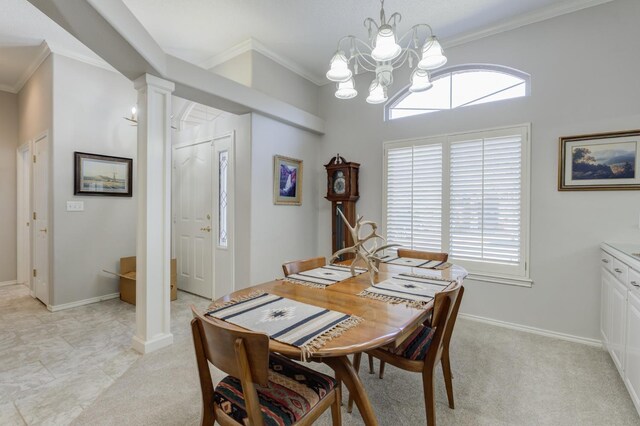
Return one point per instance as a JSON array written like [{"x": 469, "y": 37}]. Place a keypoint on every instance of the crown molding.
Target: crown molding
[
  {"x": 42, "y": 54},
  {"x": 256, "y": 46},
  {"x": 47, "y": 48},
  {"x": 533, "y": 17},
  {"x": 68, "y": 53}
]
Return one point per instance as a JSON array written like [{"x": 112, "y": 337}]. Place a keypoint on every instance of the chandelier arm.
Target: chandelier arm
[
  {"x": 347, "y": 37},
  {"x": 404, "y": 56},
  {"x": 396, "y": 18},
  {"x": 368, "y": 22},
  {"x": 414, "y": 30},
  {"x": 364, "y": 65}
]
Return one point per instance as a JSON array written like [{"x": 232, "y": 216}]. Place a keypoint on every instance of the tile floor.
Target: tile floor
[{"x": 55, "y": 364}]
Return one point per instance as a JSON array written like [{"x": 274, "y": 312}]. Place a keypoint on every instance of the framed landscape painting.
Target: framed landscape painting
[
  {"x": 102, "y": 175},
  {"x": 287, "y": 180},
  {"x": 603, "y": 161}
]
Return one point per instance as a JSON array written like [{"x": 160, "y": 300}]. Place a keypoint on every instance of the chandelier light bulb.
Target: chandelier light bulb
[
  {"x": 432, "y": 55},
  {"x": 420, "y": 81},
  {"x": 339, "y": 69},
  {"x": 386, "y": 47},
  {"x": 346, "y": 90},
  {"x": 377, "y": 93}
]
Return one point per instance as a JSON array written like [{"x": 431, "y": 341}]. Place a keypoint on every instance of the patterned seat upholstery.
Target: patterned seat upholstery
[
  {"x": 416, "y": 345},
  {"x": 293, "y": 390}
]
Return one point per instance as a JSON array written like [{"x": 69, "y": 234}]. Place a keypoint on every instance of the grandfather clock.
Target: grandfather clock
[{"x": 342, "y": 191}]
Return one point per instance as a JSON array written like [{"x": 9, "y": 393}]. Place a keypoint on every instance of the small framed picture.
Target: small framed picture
[
  {"x": 102, "y": 175},
  {"x": 287, "y": 180},
  {"x": 599, "y": 162}
]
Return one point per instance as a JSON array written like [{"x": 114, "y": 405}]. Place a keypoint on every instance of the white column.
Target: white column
[{"x": 153, "y": 249}]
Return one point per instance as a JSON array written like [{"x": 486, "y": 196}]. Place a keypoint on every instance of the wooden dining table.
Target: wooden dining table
[{"x": 383, "y": 323}]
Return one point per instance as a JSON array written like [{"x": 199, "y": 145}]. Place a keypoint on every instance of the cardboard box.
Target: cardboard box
[{"x": 128, "y": 280}]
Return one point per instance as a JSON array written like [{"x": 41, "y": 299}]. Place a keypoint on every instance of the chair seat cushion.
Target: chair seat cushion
[
  {"x": 416, "y": 345},
  {"x": 293, "y": 390}
]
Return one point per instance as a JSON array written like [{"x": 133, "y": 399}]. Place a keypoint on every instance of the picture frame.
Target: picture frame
[
  {"x": 599, "y": 162},
  {"x": 287, "y": 181},
  {"x": 102, "y": 175}
]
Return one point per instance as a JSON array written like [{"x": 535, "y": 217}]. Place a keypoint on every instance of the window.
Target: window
[
  {"x": 465, "y": 194},
  {"x": 223, "y": 162},
  {"x": 461, "y": 86}
]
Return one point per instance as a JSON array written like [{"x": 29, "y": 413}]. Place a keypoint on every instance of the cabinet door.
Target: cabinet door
[
  {"x": 605, "y": 309},
  {"x": 632, "y": 353},
  {"x": 618, "y": 323}
]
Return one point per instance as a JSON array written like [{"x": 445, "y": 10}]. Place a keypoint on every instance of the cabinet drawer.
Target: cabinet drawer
[
  {"x": 607, "y": 260},
  {"x": 620, "y": 271},
  {"x": 634, "y": 282}
]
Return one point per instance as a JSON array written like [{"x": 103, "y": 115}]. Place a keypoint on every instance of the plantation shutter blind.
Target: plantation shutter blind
[
  {"x": 486, "y": 185},
  {"x": 414, "y": 196}
]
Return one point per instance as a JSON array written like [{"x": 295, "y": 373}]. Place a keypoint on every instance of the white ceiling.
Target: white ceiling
[
  {"x": 23, "y": 28},
  {"x": 303, "y": 33},
  {"x": 306, "y": 32}
]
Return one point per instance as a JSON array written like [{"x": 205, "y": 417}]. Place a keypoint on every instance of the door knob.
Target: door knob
[
  {"x": 206, "y": 228},
  {"x": 44, "y": 230}
]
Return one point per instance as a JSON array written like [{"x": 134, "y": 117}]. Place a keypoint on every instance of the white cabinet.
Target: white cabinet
[
  {"x": 632, "y": 366},
  {"x": 605, "y": 309},
  {"x": 620, "y": 313},
  {"x": 618, "y": 323}
]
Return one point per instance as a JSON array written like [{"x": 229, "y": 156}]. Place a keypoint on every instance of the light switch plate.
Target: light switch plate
[{"x": 75, "y": 206}]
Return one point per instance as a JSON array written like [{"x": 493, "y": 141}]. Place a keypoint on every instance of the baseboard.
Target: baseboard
[
  {"x": 534, "y": 330},
  {"x": 5, "y": 283},
  {"x": 56, "y": 308}
]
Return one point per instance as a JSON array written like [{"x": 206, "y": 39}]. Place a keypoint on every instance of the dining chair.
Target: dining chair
[
  {"x": 414, "y": 254},
  {"x": 424, "y": 348},
  {"x": 303, "y": 265},
  {"x": 261, "y": 387},
  {"x": 426, "y": 255}
]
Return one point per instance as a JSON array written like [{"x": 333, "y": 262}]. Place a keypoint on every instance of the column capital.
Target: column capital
[{"x": 146, "y": 80}]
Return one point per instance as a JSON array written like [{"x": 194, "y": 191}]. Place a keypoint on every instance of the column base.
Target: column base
[{"x": 158, "y": 342}]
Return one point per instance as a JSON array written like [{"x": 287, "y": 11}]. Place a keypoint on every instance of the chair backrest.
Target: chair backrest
[
  {"x": 426, "y": 255},
  {"x": 448, "y": 332},
  {"x": 221, "y": 344},
  {"x": 302, "y": 265},
  {"x": 242, "y": 354},
  {"x": 443, "y": 308}
]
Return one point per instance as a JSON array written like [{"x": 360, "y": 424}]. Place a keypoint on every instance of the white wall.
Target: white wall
[
  {"x": 584, "y": 69},
  {"x": 281, "y": 233},
  {"x": 8, "y": 200},
  {"x": 89, "y": 104},
  {"x": 257, "y": 71}
]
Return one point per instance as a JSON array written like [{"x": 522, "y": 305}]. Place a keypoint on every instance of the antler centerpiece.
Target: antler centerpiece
[{"x": 369, "y": 255}]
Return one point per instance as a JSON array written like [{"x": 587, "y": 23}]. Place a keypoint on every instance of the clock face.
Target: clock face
[{"x": 339, "y": 183}]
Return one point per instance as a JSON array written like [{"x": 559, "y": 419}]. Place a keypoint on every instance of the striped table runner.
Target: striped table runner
[
  {"x": 298, "y": 324},
  {"x": 415, "y": 263},
  {"x": 414, "y": 291},
  {"x": 323, "y": 276}
]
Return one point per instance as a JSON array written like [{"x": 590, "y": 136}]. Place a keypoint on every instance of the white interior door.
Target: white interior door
[
  {"x": 41, "y": 219},
  {"x": 23, "y": 215},
  {"x": 193, "y": 218},
  {"x": 224, "y": 196}
]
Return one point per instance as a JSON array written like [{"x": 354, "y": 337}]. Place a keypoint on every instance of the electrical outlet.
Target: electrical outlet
[{"x": 75, "y": 206}]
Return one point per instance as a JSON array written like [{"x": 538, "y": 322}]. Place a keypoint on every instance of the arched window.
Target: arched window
[{"x": 460, "y": 86}]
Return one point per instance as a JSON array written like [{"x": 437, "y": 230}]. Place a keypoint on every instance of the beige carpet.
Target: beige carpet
[{"x": 501, "y": 377}]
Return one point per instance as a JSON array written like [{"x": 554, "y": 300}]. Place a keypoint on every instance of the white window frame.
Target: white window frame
[
  {"x": 481, "y": 271},
  {"x": 435, "y": 75}
]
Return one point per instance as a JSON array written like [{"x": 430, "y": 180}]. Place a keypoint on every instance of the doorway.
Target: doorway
[
  {"x": 23, "y": 223},
  {"x": 40, "y": 218},
  {"x": 203, "y": 215}
]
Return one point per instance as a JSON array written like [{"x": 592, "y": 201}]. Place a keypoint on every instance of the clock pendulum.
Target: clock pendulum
[{"x": 342, "y": 191}]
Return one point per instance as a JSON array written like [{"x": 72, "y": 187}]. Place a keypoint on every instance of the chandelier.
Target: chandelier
[{"x": 382, "y": 54}]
